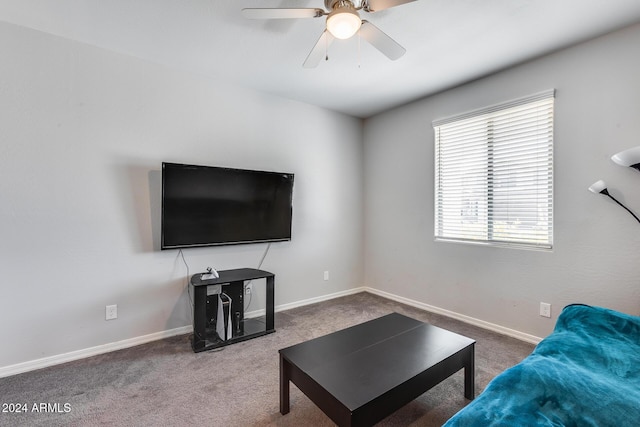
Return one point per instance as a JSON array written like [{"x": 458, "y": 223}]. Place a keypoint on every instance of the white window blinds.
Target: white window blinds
[{"x": 494, "y": 174}]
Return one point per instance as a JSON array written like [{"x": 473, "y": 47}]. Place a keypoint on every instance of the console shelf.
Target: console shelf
[{"x": 232, "y": 283}]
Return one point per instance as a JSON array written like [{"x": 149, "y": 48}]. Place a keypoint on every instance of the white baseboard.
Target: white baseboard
[
  {"x": 289, "y": 306},
  {"x": 463, "y": 318},
  {"x": 45, "y": 362},
  {"x": 314, "y": 300},
  {"x": 467, "y": 319}
]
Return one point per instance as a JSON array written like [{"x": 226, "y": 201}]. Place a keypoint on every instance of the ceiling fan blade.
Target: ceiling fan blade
[
  {"x": 377, "y": 5},
  {"x": 319, "y": 51},
  {"x": 282, "y": 13},
  {"x": 385, "y": 44}
]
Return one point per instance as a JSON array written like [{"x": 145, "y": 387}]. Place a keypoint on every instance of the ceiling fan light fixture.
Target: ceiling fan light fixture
[{"x": 343, "y": 21}]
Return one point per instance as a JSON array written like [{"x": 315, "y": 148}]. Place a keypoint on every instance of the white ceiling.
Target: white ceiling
[{"x": 448, "y": 42}]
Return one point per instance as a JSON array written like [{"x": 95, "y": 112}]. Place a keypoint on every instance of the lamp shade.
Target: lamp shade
[
  {"x": 598, "y": 187},
  {"x": 630, "y": 158},
  {"x": 343, "y": 22}
]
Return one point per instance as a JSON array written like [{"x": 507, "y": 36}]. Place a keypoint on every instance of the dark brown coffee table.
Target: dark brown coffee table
[{"x": 362, "y": 374}]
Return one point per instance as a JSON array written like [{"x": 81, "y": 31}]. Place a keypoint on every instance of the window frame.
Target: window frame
[{"x": 443, "y": 220}]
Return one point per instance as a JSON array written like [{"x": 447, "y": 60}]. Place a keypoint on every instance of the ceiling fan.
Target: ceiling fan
[{"x": 343, "y": 21}]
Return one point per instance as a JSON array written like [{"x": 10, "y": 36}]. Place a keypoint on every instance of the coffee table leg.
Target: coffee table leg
[
  {"x": 469, "y": 374},
  {"x": 285, "y": 370}
]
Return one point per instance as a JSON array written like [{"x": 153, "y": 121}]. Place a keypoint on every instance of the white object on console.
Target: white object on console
[{"x": 210, "y": 274}]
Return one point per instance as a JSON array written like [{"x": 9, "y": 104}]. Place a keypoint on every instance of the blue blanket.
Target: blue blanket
[{"x": 586, "y": 373}]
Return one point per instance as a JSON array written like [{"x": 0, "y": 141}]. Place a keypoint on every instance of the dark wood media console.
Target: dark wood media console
[{"x": 205, "y": 336}]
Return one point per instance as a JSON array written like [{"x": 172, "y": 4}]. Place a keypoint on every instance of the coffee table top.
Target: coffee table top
[{"x": 362, "y": 362}]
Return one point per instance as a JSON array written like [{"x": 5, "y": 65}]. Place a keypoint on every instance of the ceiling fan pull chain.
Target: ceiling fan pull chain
[
  {"x": 326, "y": 48},
  {"x": 359, "y": 53}
]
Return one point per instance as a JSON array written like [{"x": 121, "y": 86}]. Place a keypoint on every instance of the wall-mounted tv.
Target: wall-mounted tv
[{"x": 207, "y": 206}]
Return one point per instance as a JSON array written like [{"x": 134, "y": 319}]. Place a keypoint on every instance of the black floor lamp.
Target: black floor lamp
[
  {"x": 601, "y": 188},
  {"x": 629, "y": 158}
]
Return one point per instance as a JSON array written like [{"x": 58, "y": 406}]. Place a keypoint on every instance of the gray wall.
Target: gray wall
[
  {"x": 595, "y": 255},
  {"x": 84, "y": 132}
]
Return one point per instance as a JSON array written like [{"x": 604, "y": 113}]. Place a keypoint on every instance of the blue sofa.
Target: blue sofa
[{"x": 586, "y": 373}]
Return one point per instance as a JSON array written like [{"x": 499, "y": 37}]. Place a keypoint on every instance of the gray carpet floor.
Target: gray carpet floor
[{"x": 164, "y": 383}]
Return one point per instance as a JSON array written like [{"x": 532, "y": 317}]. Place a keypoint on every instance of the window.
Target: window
[{"x": 494, "y": 174}]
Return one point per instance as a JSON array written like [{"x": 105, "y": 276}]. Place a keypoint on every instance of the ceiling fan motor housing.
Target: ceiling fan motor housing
[{"x": 330, "y": 4}]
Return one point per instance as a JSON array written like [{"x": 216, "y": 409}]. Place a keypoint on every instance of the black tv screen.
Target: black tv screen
[{"x": 206, "y": 206}]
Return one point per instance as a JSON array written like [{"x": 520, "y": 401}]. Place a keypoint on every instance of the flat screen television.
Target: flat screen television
[{"x": 208, "y": 206}]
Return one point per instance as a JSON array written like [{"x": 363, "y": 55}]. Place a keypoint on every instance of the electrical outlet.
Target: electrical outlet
[
  {"x": 111, "y": 312},
  {"x": 326, "y": 275},
  {"x": 545, "y": 309},
  {"x": 248, "y": 288}
]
